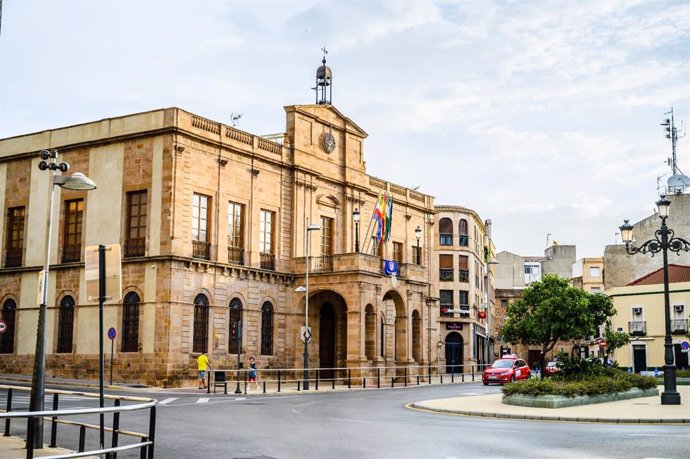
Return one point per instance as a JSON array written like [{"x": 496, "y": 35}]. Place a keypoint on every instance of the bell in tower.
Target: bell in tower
[{"x": 324, "y": 82}]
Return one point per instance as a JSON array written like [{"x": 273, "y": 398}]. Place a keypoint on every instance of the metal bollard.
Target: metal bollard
[
  {"x": 472, "y": 373},
  {"x": 116, "y": 428},
  {"x": 318, "y": 375},
  {"x": 53, "y": 424},
  {"x": 349, "y": 378},
  {"x": 418, "y": 380},
  {"x": 82, "y": 438},
  {"x": 299, "y": 385},
  {"x": 9, "y": 408},
  {"x": 264, "y": 383},
  {"x": 278, "y": 381},
  {"x": 152, "y": 431},
  {"x": 378, "y": 378},
  {"x": 405, "y": 376}
]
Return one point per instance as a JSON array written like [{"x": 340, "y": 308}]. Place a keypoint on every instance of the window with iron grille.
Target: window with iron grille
[
  {"x": 9, "y": 309},
  {"x": 465, "y": 301},
  {"x": 445, "y": 264},
  {"x": 235, "y": 316},
  {"x": 445, "y": 230},
  {"x": 200, "y": 323},
  {"x": 326, "y": 236},
  {"x": 267, "y": 329},
  {"x": 446, "y": 302},
  {"x": 130, "y": 323},
  {"x": 235, "y": 233},
  {"x": 74, "y": 214},
  {"x": 14, "y": 246},
  {"x": 266, "y": 231},
  {"x": 65, "y": 325},
  {"x": 397, "y": 252},
  {"x": 135, "y": 244}
]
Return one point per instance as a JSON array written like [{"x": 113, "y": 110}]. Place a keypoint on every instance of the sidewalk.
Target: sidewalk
[{"x": 645, "y": 410}]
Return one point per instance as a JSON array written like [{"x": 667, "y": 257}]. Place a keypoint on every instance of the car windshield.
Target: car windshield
[{"x": 502, "y": 364}]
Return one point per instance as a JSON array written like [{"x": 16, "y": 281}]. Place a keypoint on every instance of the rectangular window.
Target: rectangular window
[
  {"x": 465, "y": 300},
  {"x": 463, "y": 268},
  {"x": 445, "y": 264},
  {"x": 201, "y": 245},
  {"x": 266, "y": 231},
  {"x": 235, "y": 233},
  {"x": 594, "y": 271},
  {"x": 446, "y": 239},
  {"x": 135, "y": 244},
  {"x": 326, "y": 236},
  {"x": 74, "y": 215},
  {"x": 397, "y": 252},
  {"x": 446, "y": 301},
  {"x": 14, "y": 247},
  {"x": 417, "y": 254}
]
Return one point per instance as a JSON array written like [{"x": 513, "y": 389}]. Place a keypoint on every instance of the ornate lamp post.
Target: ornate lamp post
[
  {"x": 355, "y": 217},
  {"x": 77, "y": 181},
  {"x": 663, "y": 241},
  {"x": 307, "y": 336},
  {"x": 418, "y": 235}
]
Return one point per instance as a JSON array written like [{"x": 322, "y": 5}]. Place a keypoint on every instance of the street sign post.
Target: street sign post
[
  {"x": 304, "y": 334},
  {"x": 112, "y": 333}
]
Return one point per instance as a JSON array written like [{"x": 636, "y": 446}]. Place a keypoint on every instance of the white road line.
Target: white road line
[
  {"x": 167, "y": 400},
  {"x": 203, "y": 400},
  {"x": 295, "y": 411}
]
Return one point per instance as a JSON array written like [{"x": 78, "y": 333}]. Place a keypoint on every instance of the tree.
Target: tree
[
  {"x": 552, "y": 310},
  {"x": 614, "y": 340}
]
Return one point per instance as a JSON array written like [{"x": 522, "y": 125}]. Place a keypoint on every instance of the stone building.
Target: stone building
[
  {"x": 213, "y": 222},
  {"x": 462, "y": 280}
]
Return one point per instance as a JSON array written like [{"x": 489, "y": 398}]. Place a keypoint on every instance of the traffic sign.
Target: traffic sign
[
  {"x": 602, "y": 343},
  {"x": 685, "y": 345},
  {"x": 305, "y": 334},
  {"x": 112, "y": 333},
  {"x": 3, "y": 326}
]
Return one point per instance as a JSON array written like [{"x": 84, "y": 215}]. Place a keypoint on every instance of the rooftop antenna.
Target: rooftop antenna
[
  {"x": 235, "y": 119},
  {"x": 678, "y": 182},
  {"x": 658, "y": 183}
]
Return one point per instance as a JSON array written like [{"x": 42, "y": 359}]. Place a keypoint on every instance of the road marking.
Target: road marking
[
  {"x": 203, "y": 400},
  {"x": 167, "y": 400},
  {"x": 295, "y": 411}
]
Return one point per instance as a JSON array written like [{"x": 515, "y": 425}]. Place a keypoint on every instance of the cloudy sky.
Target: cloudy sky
[{"x": 540, "y": 115}]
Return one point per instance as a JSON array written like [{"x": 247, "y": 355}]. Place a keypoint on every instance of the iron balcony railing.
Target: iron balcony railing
[
  {"x": 268, "y": 261},
  {"x": 201, "y": 249},
  {"x": 236, "y": 255},
  {"x": 71, "y": 252},
  {"x": 135, "y": 247},
  {"x": 447, "y": 310},
  {"x": 464, "y": 240},
  {"x": 13, "y": 257},
  {"x": 637, "y": 327},
  {"x": 463, "y": 275},
  {"x": 679, "y": 326},
  {"x": 321, "y": 264},
  {"x": 445, "y": 274}
]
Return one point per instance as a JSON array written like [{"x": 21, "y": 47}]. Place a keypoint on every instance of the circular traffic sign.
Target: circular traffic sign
[
  {"x": 602, "y": 343},
  {"x": 112, "y": 333},
  {"x": 685, "y": 345},
  {"x": 3, "y": 326}
]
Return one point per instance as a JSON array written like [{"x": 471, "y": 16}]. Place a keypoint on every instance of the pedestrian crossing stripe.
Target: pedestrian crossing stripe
[
  {"x": 203, "y": 400},
  {"x": 167, "y": 400}
]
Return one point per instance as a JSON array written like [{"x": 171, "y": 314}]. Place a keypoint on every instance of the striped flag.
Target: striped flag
[{"x": 389, "y": 218}]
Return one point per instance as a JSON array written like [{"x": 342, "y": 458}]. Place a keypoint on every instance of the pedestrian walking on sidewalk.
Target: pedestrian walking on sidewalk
[
  {"x": 251, "y": 377},
  {"x": 203, "y": 365}
]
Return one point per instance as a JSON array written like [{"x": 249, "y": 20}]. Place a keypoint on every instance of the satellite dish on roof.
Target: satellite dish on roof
[{"x": 678, "y": 183}]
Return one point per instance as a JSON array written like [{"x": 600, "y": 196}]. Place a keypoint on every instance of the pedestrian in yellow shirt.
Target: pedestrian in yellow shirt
[{"x": 203, "y": 365}]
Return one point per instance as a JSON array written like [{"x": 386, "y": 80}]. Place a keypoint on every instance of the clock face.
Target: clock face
[{"x": 329, "y": 142}]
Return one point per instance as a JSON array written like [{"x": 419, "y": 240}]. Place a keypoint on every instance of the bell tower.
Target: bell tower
[{"x": 324, "y": 82}]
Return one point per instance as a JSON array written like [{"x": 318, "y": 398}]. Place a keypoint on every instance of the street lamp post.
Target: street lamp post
[
  {"x": 487, "y": 302},
  {"x": 77, "y": 181},
  {"x": 663, "y": 241},
  {"x": 418, "y": 235},
  {"x": 307, "y": 336},
  {"x": 355, "y": 217}
]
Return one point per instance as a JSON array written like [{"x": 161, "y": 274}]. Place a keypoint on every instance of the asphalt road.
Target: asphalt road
[{"x": 376, "y": 424}]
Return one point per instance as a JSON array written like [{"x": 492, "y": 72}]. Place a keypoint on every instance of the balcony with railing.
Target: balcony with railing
[
  {"x": 135, "y": 247},
  {"x": 236, "y": 255},
  {"x": 637, "y": 327},
  {"x": 464, "y": 240},
  {"x": 464, "y": 275},
  {"x": 268, "y": 261},
  {"x": 445, "y": 274},
  {"x": 71, "y": 253},
  {"x": 679, "y": 326},
  {"x": 13, "y": 257},
  {"x": 445, "y": 239},
  {"x": 465, "y": 309},
  {"x": 322, "y": 264},
  {"x": 447, "y": 310},
  {"x": 201, "y": 249}
]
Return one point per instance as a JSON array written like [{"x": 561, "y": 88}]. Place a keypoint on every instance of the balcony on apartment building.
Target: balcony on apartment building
[
  {"x": 201, "y": 249},
  {"x": 236, "y": 256},
  {"x": 13, "y": 257},
  {"x": 637, "y": 327},
  {"x": 358, "y": 263},
  {"x": 135, "y": 247},
  {"x": 679, "y": 326},
  {"x": 267, "y": 261},
  {"x": 71, "y": 253},
  {"x": 446, "y": 274},
  {"x": 449, "y": 310}
]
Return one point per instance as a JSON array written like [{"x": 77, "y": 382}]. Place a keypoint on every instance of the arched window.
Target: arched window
[
  {"x": 130, "y": 323},
  {"x": 9, "y": 309},
  {"x": 267, "y": 329},
  {"x": 235, "y": 334},
  {"x": 65, "y": 325},
  {"x": 445, "y": 231},
  {"x": 200, "y": 323},
  {"x": 463, "y": 232}
]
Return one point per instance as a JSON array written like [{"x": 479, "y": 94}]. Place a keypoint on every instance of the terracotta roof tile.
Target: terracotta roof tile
[{"x": 676, "y": 273}]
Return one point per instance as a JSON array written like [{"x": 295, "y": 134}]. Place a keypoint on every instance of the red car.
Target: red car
[
  {"x": 552, "y": 367},
  {"x": 509, "y": 368}
]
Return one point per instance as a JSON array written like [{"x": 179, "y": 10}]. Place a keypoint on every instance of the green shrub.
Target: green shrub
[
  {"x": 608, "y": 382},
  {"x": 683, "y": 373}
]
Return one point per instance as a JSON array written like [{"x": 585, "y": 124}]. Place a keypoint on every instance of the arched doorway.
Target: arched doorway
[
  {"x": 327, "y": 334},
  {"x": 454, "y": 357}
]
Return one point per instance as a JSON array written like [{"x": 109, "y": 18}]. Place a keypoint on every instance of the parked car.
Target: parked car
[
  {"x": 552, "y": 367},
  {"x": 509, "y": 368}
]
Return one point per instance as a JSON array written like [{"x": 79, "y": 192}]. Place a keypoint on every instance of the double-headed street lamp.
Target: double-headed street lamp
[
  {"x": 77, "y": 181},
  {"x": 307, "y": 335},
  {"x": 663, "y": 242},
  {"x": 418, "y": 235},
  {"x": 355, "y": 217}
]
